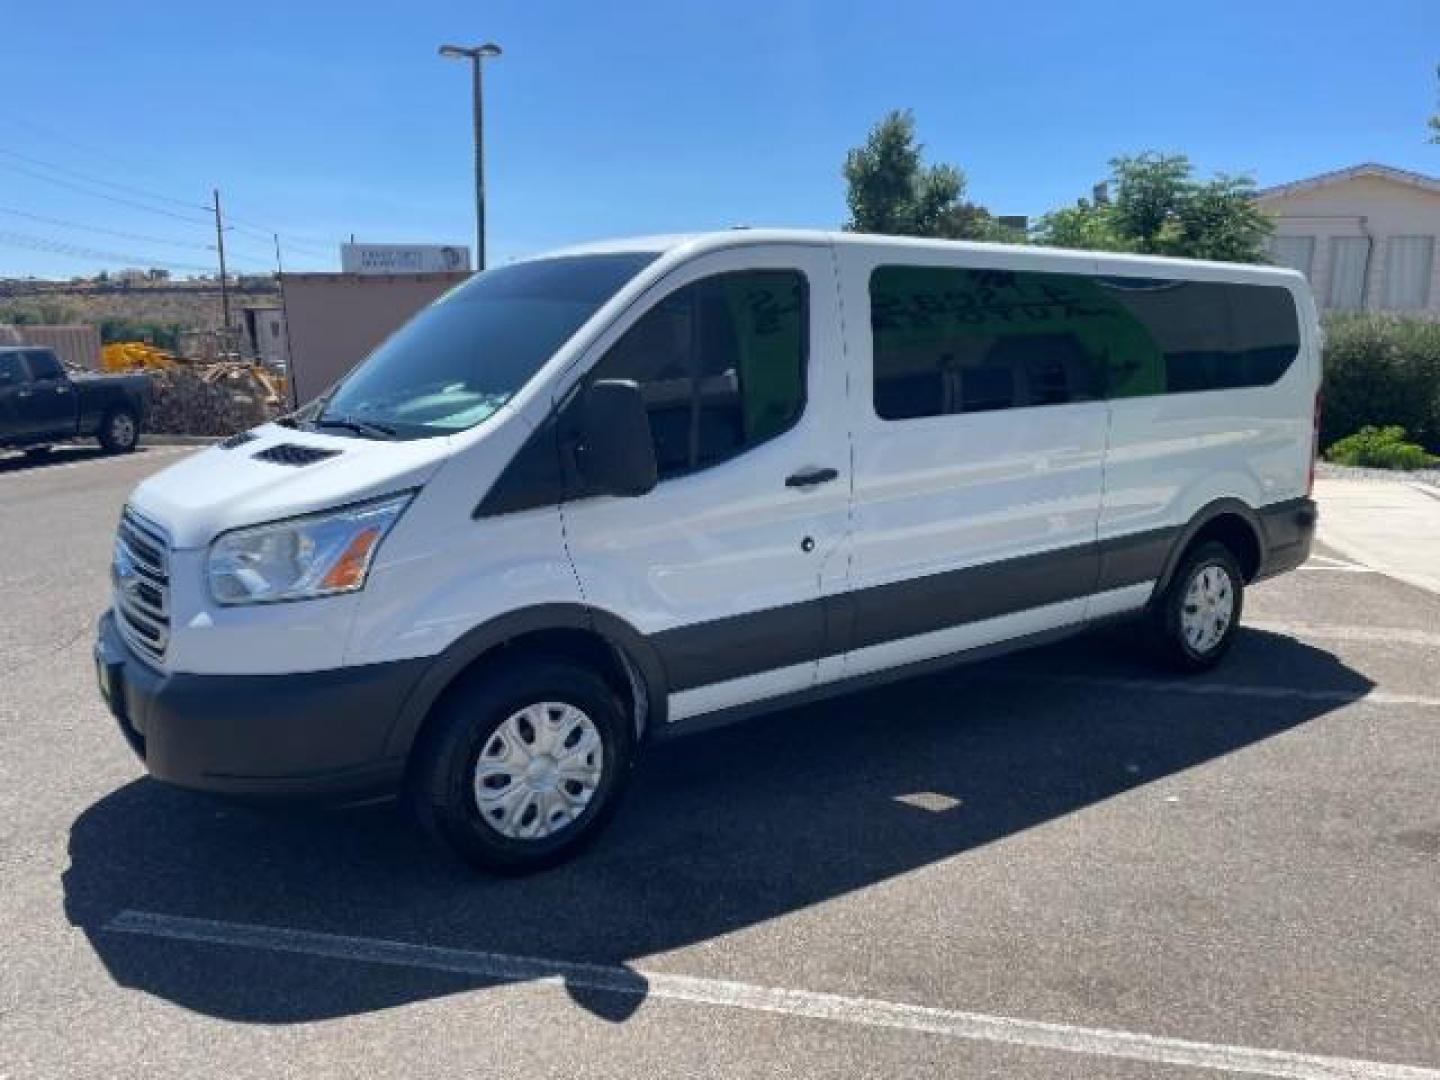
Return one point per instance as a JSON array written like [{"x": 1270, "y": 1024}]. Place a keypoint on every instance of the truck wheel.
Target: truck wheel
[
  {"x": 520, "y": 768},
  {"x": 119, "y": 431},
  {"x": 1194, "y": 621}
]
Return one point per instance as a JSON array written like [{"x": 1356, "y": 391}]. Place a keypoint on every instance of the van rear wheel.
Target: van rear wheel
[
  {"x": 1195, "y": 620},
  {"x": 521, "y": 768}
]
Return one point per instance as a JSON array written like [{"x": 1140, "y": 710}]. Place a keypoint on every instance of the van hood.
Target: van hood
[{"x": 277, "y": 473}]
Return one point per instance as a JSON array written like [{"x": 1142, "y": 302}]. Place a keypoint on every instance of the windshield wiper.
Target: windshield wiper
[{"x": 369, "y": 428}]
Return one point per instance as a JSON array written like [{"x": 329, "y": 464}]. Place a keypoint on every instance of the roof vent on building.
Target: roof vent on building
[
  {"x": 239, "y": 439},
  {"x": 294, "y": 454}
]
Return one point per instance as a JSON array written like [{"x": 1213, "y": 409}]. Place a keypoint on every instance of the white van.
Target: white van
[{"x": 628, "y": 489}]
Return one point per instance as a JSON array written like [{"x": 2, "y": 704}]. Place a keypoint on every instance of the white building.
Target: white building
[{"x": 1364, "y": 236}]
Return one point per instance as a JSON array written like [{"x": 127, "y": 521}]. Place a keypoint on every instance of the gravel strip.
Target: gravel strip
[{"x": 1330, "y": 471}]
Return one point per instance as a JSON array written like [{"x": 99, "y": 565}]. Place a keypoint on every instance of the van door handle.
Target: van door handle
[{"x": 811, "y": 477}]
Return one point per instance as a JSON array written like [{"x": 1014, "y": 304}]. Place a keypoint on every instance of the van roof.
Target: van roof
[{"x": 743, "y": 236}]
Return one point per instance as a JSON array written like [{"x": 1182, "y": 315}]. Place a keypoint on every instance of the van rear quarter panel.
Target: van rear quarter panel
[{"x": 1169, "y": 455}]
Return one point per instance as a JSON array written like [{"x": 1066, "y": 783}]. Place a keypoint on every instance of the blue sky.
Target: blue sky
[{"x": 321, "y": 120}]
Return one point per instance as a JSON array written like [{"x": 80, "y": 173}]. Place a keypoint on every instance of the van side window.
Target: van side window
[
  {"x": 1178, "y": 337},
  {"x": 956, "y": 340},
  {"x": 720, "y": 363}
]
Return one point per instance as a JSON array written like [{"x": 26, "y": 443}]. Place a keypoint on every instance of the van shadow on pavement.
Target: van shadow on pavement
[{"x": 720, "y": 831}]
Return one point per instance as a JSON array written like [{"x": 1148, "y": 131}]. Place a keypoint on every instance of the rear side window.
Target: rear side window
[
  {"x": 12, "y": 372},
  {"x": 720, "y": 363},
  {"x": 958, "y": 340},
  {"x": 1199, "y": 335},
  {"x": 43, "y": 366}
]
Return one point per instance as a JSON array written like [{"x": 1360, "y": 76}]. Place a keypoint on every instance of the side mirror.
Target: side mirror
[{"x": 615, "y": 453}]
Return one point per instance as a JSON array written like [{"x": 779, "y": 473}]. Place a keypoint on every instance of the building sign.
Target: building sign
[{"x": 403, "y": 258}]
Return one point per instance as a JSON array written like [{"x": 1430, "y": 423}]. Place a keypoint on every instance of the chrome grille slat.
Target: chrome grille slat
[{"x": 142, "y": 585}]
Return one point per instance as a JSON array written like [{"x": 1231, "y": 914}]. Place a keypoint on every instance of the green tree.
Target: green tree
[
  {"x": 890, "y": 189},
  {"x": 1434, "y": 122},
  {"x": 1085, "y": 225},
  {"x": 1160, "y": 208}
]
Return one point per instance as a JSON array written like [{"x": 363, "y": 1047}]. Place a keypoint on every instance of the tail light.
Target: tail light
[{"x": 1314, "y": 446}]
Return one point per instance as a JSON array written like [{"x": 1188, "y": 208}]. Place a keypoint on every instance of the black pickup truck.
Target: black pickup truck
[{"x": 40, "y": 403}]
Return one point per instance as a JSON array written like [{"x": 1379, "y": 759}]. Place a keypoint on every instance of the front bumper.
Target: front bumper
[{"x": 307, "y": 735}]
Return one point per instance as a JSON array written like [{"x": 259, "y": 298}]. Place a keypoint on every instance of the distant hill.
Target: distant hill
[{"x": 157, "y": 311}]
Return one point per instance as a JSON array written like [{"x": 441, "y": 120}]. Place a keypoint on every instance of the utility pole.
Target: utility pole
[
  {"x": 285, "y": 318},
  {"x": 477, "y": 56},
  {"x": 220, "y": 246}
]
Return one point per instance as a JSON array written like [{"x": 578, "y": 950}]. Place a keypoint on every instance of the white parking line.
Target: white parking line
[
  {"x": 1331, "y": 632},
  {"x": 865, "y": 1012},
  {"x": 144, "y": 452}
]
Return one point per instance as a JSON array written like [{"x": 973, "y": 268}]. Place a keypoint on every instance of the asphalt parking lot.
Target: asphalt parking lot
[{"x": 1054, "y": 865}]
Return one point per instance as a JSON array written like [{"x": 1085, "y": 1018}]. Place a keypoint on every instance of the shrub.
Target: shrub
[
  {"x": 1380, "y": 448},
  {"x": 1382, "y": 369}
]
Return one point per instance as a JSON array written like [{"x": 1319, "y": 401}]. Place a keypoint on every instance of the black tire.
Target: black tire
[
  {"x": 119, "y": 431},
  {"x": 441, "y": 782},
  {"x": 1167, "y": 634}
]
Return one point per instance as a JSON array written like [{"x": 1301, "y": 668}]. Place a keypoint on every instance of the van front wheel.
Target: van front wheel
[
  {"x": 522, "y": 768},
  {"x": 1195, "y": 620}
]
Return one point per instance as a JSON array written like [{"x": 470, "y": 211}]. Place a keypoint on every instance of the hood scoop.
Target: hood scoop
[{"x": 294, "y": 454}]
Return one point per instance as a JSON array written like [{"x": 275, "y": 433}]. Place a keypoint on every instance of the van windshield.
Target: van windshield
[{"x": 463, "y": 357}]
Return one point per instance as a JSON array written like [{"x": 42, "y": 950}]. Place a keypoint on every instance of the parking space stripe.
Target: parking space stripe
[
  {"x": 1195, "y": 686},
  {"x": 838, "y": 1008},
  {"x": 1381, "y": 634},
  {"x": 50, "y": 467}
]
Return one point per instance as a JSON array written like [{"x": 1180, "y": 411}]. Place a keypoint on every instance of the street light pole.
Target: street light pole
[{"x": 476, "y": 55}]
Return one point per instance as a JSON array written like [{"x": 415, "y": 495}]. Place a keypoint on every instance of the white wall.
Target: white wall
[{"x": 1363, "y": 206}]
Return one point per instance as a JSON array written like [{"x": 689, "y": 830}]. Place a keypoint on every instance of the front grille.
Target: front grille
[{"x": 141, "y": 578}]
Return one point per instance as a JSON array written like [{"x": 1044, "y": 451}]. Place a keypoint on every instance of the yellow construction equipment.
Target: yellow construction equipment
[{"x": 132, "y": 356}]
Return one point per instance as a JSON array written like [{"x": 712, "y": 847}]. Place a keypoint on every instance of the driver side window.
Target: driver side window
[{"x": 720, "y": 364}]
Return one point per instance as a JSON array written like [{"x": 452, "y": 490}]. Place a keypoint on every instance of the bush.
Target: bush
[
  {"x": 1382, "y": 369},
  {"x": 1380, "y": 448}
]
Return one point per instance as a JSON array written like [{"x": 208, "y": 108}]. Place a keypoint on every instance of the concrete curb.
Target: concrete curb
[{"x": 147, "y": 439}]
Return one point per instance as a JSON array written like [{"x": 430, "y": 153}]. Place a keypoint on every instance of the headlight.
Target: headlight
[{"x": 319, "y": 555}]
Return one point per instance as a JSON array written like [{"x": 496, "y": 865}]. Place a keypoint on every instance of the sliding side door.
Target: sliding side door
[{"x": 978, "y": 450}]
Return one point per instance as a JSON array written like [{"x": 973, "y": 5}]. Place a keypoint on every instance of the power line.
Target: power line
[
  {"x": 63, "y": 223},
  {"x": 90, "y": 150},
  {"x": 103, "y": 195},
  {"x": 290, "y": 242},
  {"x": 261, "y": 231},
  {"x": 60, "y": 247},
  {"x": 77, "y": 174}
]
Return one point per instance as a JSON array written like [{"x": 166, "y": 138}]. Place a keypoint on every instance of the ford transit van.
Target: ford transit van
[{"x": 593, "y": 498}]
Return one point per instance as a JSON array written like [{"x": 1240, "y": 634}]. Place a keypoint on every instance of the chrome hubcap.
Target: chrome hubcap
[
  {"x": 538, "y": 771},
  {"x": 1208, "y": 608}
]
